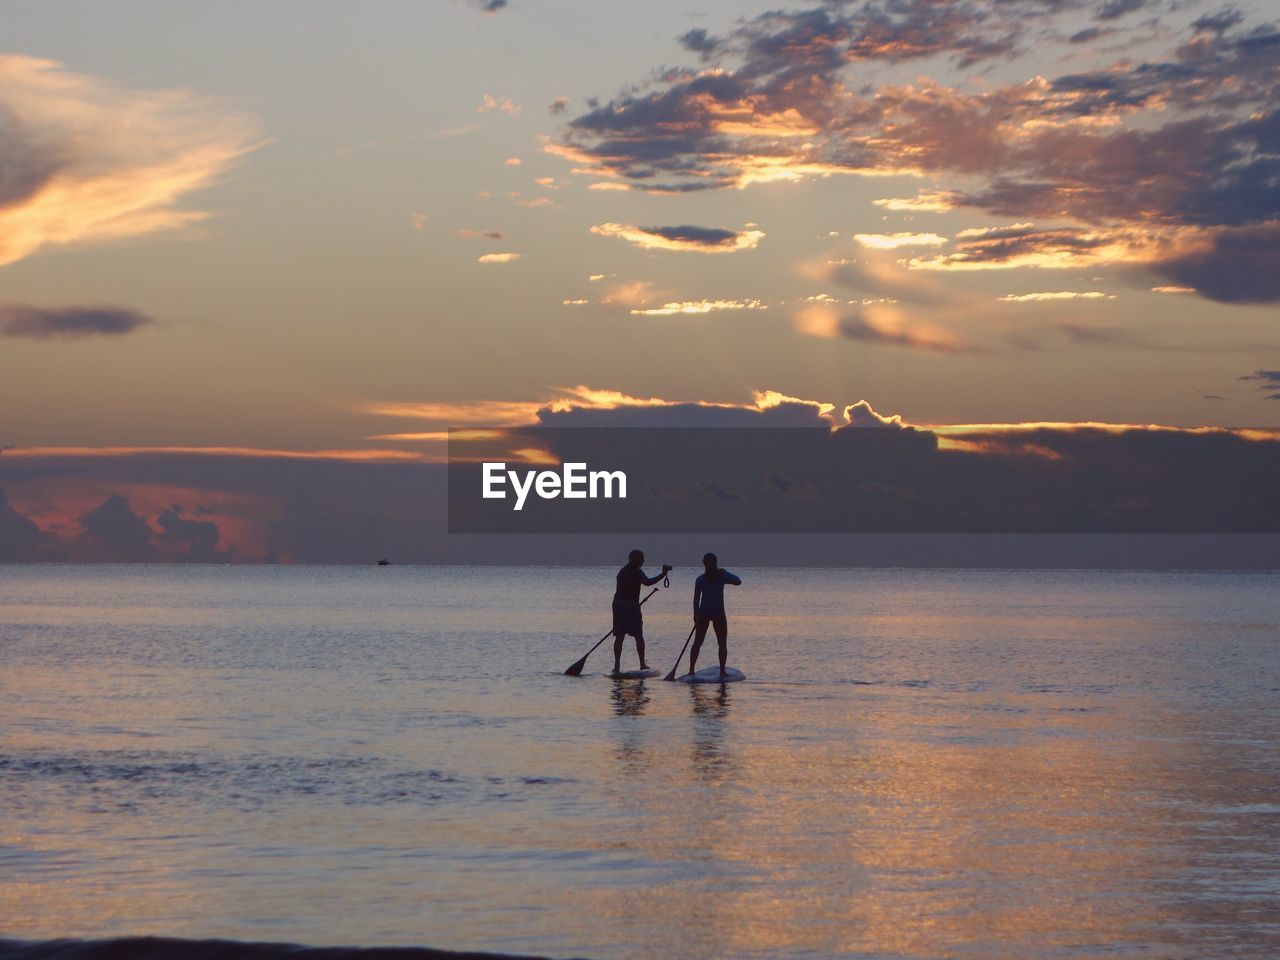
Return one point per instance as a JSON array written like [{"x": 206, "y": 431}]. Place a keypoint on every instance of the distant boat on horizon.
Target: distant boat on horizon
[{"x": 384, "y": 563}]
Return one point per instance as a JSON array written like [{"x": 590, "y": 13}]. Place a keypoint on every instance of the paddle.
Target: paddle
[
  {"x": 576, "y": 669},
  {"x": 672, "y": 675}
]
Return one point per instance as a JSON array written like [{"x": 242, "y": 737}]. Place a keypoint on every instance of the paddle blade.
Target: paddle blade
[
  {"x": 672, "y": 675},
  {"x": 576, "y": 669}
]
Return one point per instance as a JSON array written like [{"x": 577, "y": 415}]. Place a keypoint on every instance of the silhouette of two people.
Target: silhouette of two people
[{"x": 708, "y": 608}]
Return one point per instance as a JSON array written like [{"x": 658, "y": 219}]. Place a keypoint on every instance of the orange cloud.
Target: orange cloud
[
  {"x": 502, "y": 104},
  {"x": 1024, "y": 245},
  {"x": 1055, "y": 295},
  {"x": 952, "y": 429},
  {"x": 584, "y": 396},
  {"x": 88, "y": 161},
  {"x": 892, "y": 241},
  {"x": 254, "y": 452},
  {"x": 238, "y": 517},
  {"x": 460, "y": 413},
  {"x": 879, "y": 323},
  {"x": 769, "y": 399},
  {"x": 934, "y": 201},
  {"x": 698, "y": 307}
]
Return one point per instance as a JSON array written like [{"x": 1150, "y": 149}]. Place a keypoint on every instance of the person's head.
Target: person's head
[
  {"x": 636, "y": 558},
  {"x": 710, "y": 561}
]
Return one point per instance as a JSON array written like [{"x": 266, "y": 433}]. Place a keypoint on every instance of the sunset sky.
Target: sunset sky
[{"x": 322, "y": 233}]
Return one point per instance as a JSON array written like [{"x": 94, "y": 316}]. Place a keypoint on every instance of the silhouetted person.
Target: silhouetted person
[
  {"x": 626, "y": 606},
  {"x": 708, "y": 608}
]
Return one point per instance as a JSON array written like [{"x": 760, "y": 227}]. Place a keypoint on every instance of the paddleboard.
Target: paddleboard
[
  {"x": 712, "y": 675},
  {"x": 632, "y": 674}
]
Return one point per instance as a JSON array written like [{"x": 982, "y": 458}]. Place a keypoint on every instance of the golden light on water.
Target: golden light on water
[{"x": 999, "y": 784}]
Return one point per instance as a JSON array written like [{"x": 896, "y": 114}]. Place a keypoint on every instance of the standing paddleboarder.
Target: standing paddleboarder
[
  {"x": 708, "y": 608},
  {"x": 627, "y": 618}
]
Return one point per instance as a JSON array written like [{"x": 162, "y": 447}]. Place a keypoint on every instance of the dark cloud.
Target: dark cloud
[
  {"x": 1269, "y": 380},
  {"x": 1209, "y": 71},
  {"x": 1226, "y": 264},
  {"x": 490, "y": 6},
  {"x": 698, "y": 41},
  {"x": 691, "y": 132},
  {"x": 1066, "y": 479},
  {"x": 117, "y": 532},
  {"x": 486, "y": 234},
  {"x": 1019, "y": 243},
  {"x": 20, "y": 538},
  {"x": 1237, "y": 265},
  {"x": 558, "y": 106},
  {"x": 702, "y": 236},
  {"x": 781, "y": 485},
  {"x": 1196, "y": 172},
  {"x": 31, "y": 161},
  {"x": 1086, "y": 35},
  {"x": 685, "y": 237},
  {"x": 1138, "y": 338},
  {"x": 1114, "y": 9},
  {"x": 1219, "y": 22},
  {"x": 45, "y": 323},
  {"x": 198, "y": 538},
  {"x": 311, "y": 511},
  {"x": 1107, "y": 336},
  {"x": 862, "y": 326},
  {"x": 718, "y": 492},
  {"x": 1174, "y": 161},
  {"x": 1260, "y": 40}
]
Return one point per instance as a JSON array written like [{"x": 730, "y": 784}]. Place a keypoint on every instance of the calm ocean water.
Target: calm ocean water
[{"x": 930, "y": 764}]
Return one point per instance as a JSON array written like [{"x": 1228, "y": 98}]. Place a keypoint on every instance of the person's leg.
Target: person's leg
[
  {"x": 699, "y": 634},
  {"x": 640, "y": 650},
  {"x": 618, "y": 636},
  {"x": 722, "y": 639}
]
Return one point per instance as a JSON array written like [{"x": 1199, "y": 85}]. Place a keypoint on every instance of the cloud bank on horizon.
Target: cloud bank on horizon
[
  {"x": 1165, "y": 157},
  {"x": 225, "y": 505}
]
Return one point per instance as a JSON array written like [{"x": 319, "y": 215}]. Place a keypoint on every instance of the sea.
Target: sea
[{"x": 921, "y": 764}]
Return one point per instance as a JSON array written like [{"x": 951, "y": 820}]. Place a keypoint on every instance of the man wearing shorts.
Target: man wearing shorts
[
  {"x": 626, "y": 606},
  {"x": 708, "y": 609}
]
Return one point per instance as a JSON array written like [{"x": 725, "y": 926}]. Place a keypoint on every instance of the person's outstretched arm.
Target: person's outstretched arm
[
  {"x": 730, "y": 579},
  {"x": 697, "y": 595},
  {"x": 650, "y": 581}
]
